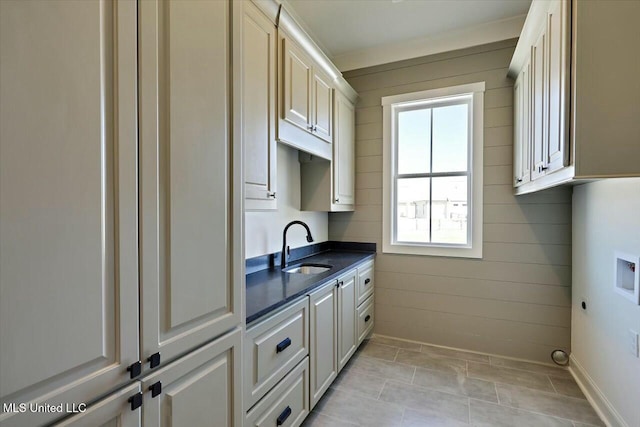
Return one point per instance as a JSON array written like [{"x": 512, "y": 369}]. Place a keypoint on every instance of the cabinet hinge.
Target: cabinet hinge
[
  {"x": 154, "y": 360},
  {"x": 135, "y": 369},
  {"x": 136, "y": 401}
]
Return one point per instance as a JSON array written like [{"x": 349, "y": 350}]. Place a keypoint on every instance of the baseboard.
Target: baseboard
[
  {"x": 481, "y": 353},
  {"x": 594, "y": 395}
]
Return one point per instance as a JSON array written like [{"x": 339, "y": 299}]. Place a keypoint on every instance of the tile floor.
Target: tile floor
[{"x": 391, "y": 383}]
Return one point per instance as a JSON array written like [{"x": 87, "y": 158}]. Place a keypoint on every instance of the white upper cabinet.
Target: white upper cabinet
[
  {"x": 68, "y": 202},
  {"x": 344, "y": 147},
  {"x": 330, "y": 185},
  {"x": 592, "y": 133},
  {"x": 306, "y": 101},
  {"x": 259, "y": 40},
  {"x": 297, "y": 79},
  {"x": 322, "y": 105},
  {"x": 539, "y": 107},
  {"x": 557, "y": 69},
  {"x": 522, "y": 127},
  {"x": 185, "y": 179}
]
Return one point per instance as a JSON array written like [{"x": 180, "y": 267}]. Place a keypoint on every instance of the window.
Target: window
[{"x": 433, "y": 172}]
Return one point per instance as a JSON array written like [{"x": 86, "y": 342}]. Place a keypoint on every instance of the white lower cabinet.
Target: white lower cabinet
[
  {"x": 365, "y": 319},
  {"x": 293, "y": 356},
  {"x": 287, "y": 404},
  {"x": 347, "y": 318},
  {"x": 365, "y": 282},
  {"x": 199, "y": 389},
  {"x": 114, "y": 410},
  {"x": 323, "y": 339},
  {"x": 273, "y": 347}
]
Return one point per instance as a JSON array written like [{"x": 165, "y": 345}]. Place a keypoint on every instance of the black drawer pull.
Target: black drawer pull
[
  {"x": 283, "y": 344},
  {"x": 283, "y": 416},
  {"x": 366, "y": 281},
  {"x": 366, "y": 319}
]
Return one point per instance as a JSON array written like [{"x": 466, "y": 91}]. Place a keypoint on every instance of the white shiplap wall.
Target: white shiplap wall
[{"x": 516, "y": 301}]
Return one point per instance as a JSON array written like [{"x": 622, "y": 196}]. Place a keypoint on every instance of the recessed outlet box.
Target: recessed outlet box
[{"x": 627, "y": 276}]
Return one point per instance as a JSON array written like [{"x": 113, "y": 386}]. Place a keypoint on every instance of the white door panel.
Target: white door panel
[
  {"x": 187, "y": 294},
  {"x": 68, "y": 200}
]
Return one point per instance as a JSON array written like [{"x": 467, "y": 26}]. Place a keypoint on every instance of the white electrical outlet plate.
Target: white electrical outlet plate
[{"x": 633, "y": 342}]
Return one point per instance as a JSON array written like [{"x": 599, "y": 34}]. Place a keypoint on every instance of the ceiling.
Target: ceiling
[{"x": 348, "y": 28}]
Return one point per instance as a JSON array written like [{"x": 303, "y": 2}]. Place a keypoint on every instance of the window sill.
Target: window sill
[{"x": 461, "y": 252}]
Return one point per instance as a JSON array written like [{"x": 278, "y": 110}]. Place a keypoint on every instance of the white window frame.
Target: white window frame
[{"x": 390, "y": 106}]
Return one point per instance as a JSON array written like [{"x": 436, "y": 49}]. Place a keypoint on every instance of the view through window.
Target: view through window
[
  {"x": 433, "y": 171},
  {"x": 432, "y": 179}
]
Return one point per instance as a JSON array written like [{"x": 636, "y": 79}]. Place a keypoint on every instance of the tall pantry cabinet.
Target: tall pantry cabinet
[{"x": 118, "y": 269}]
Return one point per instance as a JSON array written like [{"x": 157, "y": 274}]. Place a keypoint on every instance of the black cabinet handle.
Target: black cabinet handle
[
  {"x": 135, "y": 369},
  {"x": 135, "y": 401},
  {"x": 366, "y": 281},
  {"x": 366, "y": 319},
  {"x": 154, "y": 360},
  {"x": 283, "y": 416},
  {"x": 283, "y": 344},
  {"x": 156, "y": 389}
]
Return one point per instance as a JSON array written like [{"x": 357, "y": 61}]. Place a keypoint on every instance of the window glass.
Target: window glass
[
  {"x": 413, "y": 210},
  {"x": 450, "y": 138},
  {"x": 414, "y": 136},
  {"x": 432, "y": 173},
  {"x": 449, "y": 210}
]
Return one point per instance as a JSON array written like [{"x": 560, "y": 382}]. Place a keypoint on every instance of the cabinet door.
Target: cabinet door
[
  {"x": 297, "y": 76},
  {"x": 518, "y": 123},
  {"x": 114, "y": 410},
  {"x": 186, "y": 255},
  {"x": 200, "y": 389},
  {"x": 557, "y": 39},
  {"x": 258, "y": 108},
  {"x": 347, "y": 318},
  {"x": 538, "y": 78},
  {"x": 344, "y": 151},
  {"x": 526, "y": 124},
  {"x": 322, "y": 110},
  {"x": 68, "y": 201},
  {"x": 322, "y": 340},
  {"x": 522, "y": 136}
]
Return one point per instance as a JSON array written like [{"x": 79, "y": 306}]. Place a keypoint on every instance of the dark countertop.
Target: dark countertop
[{"x": 270, "y": 288}]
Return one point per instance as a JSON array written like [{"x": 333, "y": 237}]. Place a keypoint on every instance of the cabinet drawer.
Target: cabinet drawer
[
  {"x": 365, "y": 281},
  {"x": 286, "y": 404},
  {"x": 273, "y": 347},
  {"x": 365, "y": 319}
]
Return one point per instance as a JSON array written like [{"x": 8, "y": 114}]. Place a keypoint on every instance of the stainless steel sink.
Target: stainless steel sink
[{"x": 307, "y": 269}]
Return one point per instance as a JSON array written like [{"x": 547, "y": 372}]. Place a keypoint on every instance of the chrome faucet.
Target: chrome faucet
[{"x": 285, "y": 248}]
